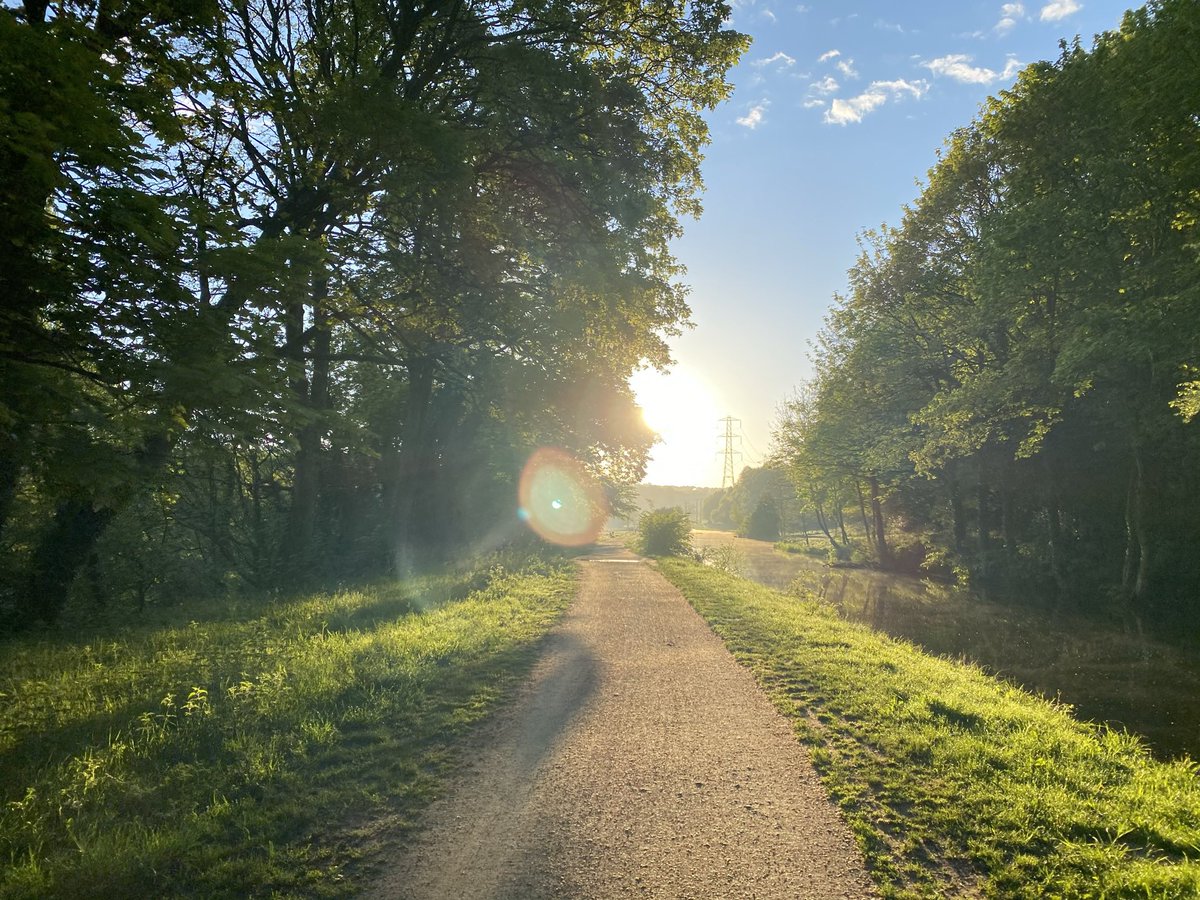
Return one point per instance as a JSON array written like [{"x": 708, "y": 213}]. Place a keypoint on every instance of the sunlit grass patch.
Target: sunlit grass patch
[
  {"x": 951, "y": 778},
  {"x": 238, "y": 753}
]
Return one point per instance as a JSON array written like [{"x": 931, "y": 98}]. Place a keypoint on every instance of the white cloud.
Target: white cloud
[
  {"x": 846, "y": 67},
  {"x": 1010, "y": 15},
  {"x": 802, "y": 8},
  {"x": 958, "y": 66},
  {"x": 755, "y": 117},
  {"x": 843, "y": 112},
  {"x": 828, "y": 55},
  {"x": 826, "y": 85},
  {"x": 813, "y": 104},
  {"x": 1059, "y": 9},
  {"x": 781, "y": 58},
  {"x": 884, "y": 25},
  {"x": 916, "y": 89},
  {"x": 767, "y": 14}
]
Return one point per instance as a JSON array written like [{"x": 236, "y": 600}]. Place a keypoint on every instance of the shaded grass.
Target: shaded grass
[
  {"x": 955, "y": 782},
  {"x": 253, "y": 750}
]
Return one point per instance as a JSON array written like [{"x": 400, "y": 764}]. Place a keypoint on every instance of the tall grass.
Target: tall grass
[
  {"x": 251, "y": 750},
  {"x": 955, "y": 782}
]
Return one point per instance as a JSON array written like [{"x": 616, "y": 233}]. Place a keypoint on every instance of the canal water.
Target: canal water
[{"x": 1112, "y": 670}]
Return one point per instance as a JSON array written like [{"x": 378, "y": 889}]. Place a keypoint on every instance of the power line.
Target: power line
[
  {"x": 728, "y": 476},
  {"x": 758, "y": 454}
]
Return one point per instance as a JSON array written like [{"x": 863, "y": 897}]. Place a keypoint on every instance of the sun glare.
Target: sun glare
[
  {"x": 680, "y": 407},
  {"x": 560, "y": 500}
]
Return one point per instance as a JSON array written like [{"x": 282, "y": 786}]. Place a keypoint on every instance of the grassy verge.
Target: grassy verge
[
  {"x": 953, "y": 780},
  {"x": 796, "y": 548},
  {"x": 254, "y": 751}
]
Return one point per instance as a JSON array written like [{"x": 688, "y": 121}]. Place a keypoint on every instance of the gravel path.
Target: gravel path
[{"x": 640, "y": 760}]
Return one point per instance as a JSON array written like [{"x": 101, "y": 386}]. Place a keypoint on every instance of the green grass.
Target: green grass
[
  {"x": 952, "y": 779},
  {"x": 817, "y": 549},
  {"x": 256, "y": 751}
]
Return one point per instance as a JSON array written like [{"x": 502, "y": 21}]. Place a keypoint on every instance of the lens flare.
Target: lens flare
[{"x": 560, "y": 500}]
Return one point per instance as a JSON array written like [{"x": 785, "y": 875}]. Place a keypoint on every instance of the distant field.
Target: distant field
[
  {"x": 255, "y": 749},
  {"x": 953, "y": 781}
]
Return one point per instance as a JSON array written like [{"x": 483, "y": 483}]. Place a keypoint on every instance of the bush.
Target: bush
[
  {"x": 665, "y": 532},
  {"x": 726, "y": 558},
  {"x": 763, "y": 523}
]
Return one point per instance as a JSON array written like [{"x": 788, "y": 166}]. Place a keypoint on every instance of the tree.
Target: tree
[
  {"x": 378, "y": 247},
  {"x": 1022, "y": 341}
]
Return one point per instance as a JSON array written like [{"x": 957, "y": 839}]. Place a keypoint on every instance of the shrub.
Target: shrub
[
  {"x": 665, "y": 532},
  {"x": 726, "y": 558},
  {"x": 763, "y": 523}
]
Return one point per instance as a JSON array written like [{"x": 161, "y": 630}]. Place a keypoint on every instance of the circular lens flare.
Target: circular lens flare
[{"x": 560, "y": 500}]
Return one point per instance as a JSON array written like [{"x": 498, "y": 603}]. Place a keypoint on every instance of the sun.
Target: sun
[{"x": 680, "y": 407}]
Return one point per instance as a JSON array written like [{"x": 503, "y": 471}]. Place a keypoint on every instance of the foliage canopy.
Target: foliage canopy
[
  {"x": 1011, "y": 375},
  {"x": 293, "y": 288}
]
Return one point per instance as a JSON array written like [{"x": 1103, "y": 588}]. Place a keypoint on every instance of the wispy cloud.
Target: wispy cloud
[
  {"x": 780, "y": 58},
  {"x": 883, "y": 25},
  {"x": 802, "y": 8},
  {"x": 770, "y": 16},
  {"x": 853, "y": 109},
  {"x": 1010, "y": 15},
  {"x": 826, "y": 85},
  {"x": 813, "y": 103},
  {"x": 1059, "y": 9},
  {"x": 846, "y": 67},
  {"x": 755, "y": 117},
  {"x": 828, "y": 55},
  {"x": 957, "y": 66}
]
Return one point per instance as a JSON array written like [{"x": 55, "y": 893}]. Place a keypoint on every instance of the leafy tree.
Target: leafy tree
[
  {"x": 763, "y": 523},
  {"x": 1023, "y": 341},
  {"x": 300, "y": 285}
]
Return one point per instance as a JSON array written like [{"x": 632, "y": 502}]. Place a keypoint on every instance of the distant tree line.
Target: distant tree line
[
  {"x": 291, "y": 288},
  {"x": 1009, "y": 387},
  {"x": 761, "y": 504}
]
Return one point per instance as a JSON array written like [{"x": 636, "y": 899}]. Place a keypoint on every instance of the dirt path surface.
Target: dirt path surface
[{"x": 640, "y": 760}]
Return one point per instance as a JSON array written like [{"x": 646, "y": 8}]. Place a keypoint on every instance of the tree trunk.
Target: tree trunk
[
  {"x": 1054, "y": 530},
  {"x": 823, "y": 523},
  {"x": 69, "y": 541},
  {"x": 76, "y": 527},
  {"x": 1054, "y": 546},
  {"x": 958, "y": 519},
  {"x": 1141, "y": 582},
  {"x": 882, "y": 550},
  {"x": 862, "y": 511},
  {"x": 409, "y": 463},
  {"x": 982, "y": 527},
  {"x": 1131, "y": 537},
  {"x": 312, "y": 392},
  {"x": 1006, "y": 522},
  {"x": 10, "y": 474}
]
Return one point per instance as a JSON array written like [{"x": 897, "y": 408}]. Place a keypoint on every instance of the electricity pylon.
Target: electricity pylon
[{"x": 728, "y": 476}]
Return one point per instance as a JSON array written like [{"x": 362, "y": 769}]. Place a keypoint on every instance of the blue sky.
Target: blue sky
[{"x": 838, "y": 111}]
